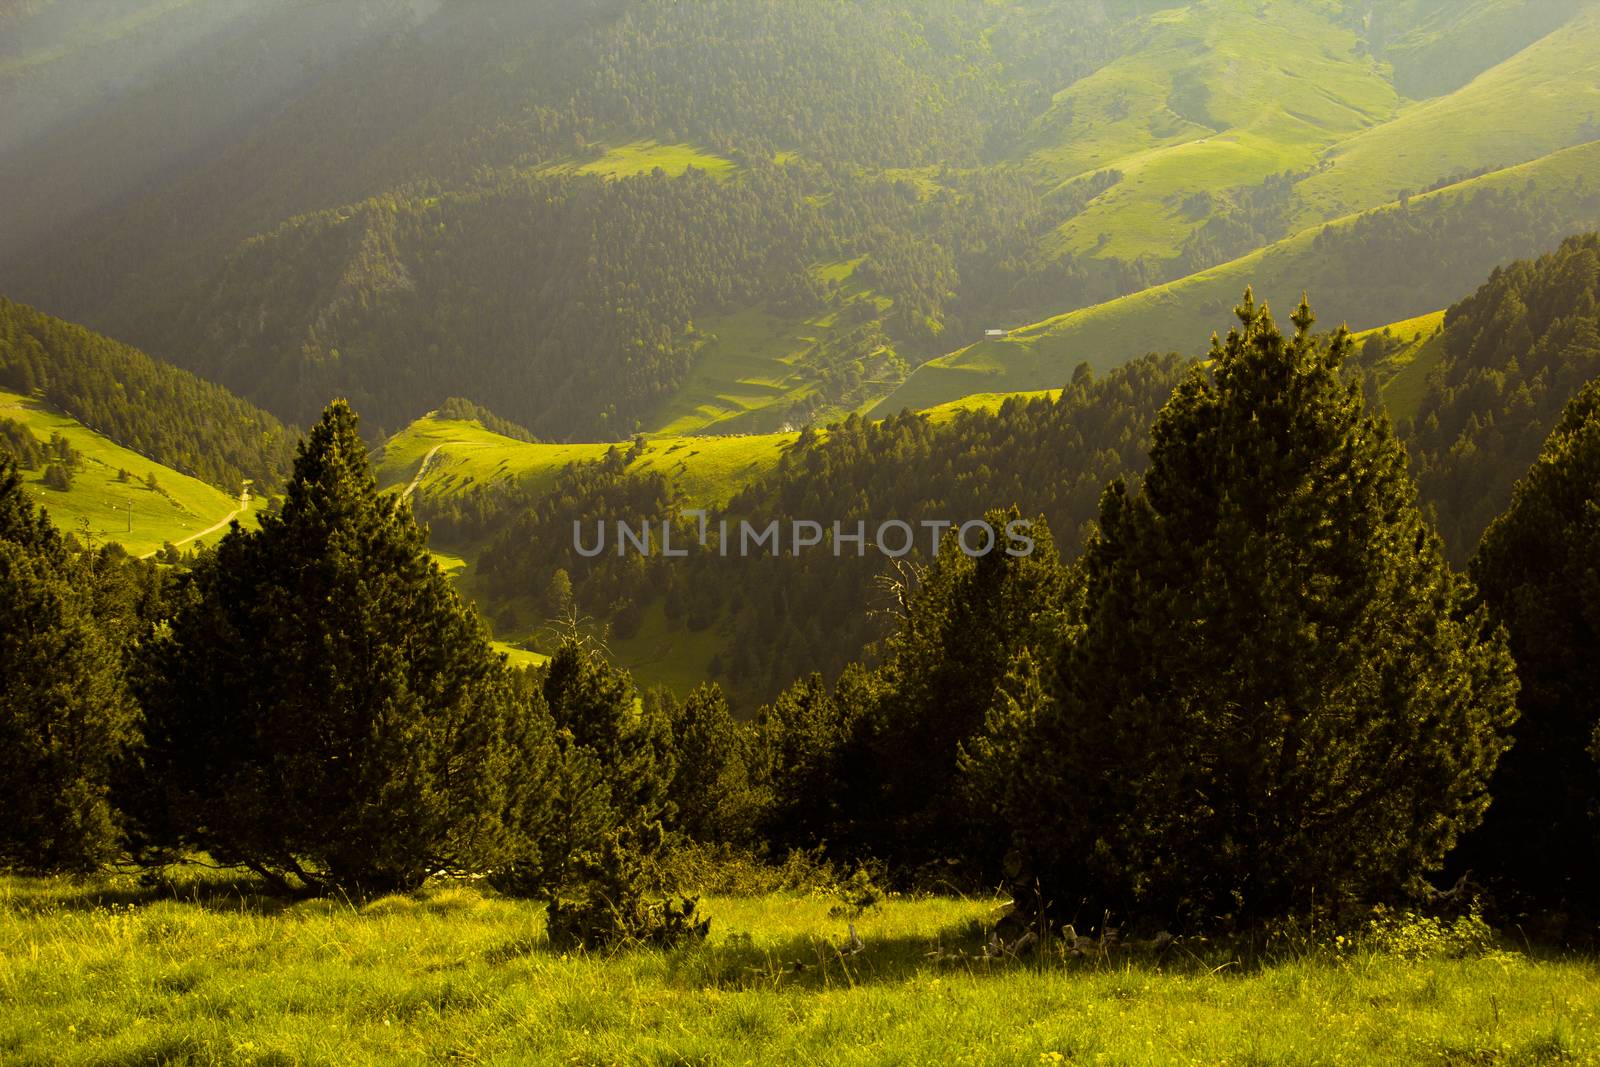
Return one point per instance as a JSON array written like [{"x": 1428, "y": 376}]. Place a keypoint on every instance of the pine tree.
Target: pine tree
[
  {"x": 1538, "y": 569},
  {"x": 810, "y": 760},
  {"x": 961, "y": 626},
  {"x": 710, "y": 785},
  {"x": 610, "y": 804},
  {"x": 1278, "y": 702},
  {"x": 66, "y": 723},
  {"x": 325, "y": 709}
]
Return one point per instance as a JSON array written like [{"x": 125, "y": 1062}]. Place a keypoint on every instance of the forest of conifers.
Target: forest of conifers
[
  {"x": 1260, "y": 690},
  {"x": 1310, "y": 625}
]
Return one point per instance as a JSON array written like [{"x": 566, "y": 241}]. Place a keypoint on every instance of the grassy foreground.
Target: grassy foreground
[{"x": 105, "y": 972}]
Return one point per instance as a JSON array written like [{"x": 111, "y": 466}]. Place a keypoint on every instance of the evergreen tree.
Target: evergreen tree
[
  {"x": 58, "y": 476},
  {"x": 811, "y": 761},
  {"x": 959, "y": 630},
  {"x": 1278, "y": 702},
  {"x": 1538, "y": 569},
  {"x": 609, "y": 806},
  {"x": 66, "y": 723},
  {"x": 710, "y": 786},
  {"x": 324, "y": 707}
]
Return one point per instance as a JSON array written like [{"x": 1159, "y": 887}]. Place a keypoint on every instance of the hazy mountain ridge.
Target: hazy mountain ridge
[{"x": 1260, "y": 120}]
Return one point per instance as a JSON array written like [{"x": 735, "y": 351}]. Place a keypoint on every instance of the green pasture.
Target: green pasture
[
  {"x": 204, "y": 969},
  {"x": 99, "y": 503}
]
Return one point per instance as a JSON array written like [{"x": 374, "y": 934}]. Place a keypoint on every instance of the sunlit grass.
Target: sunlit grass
[
  {"x": 705, "y": 470},
  {"x": 105, "y": 972},
  {"x": 99, "y": 503},
  {"x": 643, "y": 157},
  {"x": 1534, "y": 103},
  {"x": 1216, "y": 95}
]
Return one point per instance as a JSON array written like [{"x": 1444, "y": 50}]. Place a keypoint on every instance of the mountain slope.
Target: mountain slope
[
  {"x": 1543, "y": 99},
  {"x": 152, "y": 506},
  {"x": 152, "y": 408},
  {"x": 1378, "y": 267},
  {"x": 1212, "y": 95},
  {"x": 597, "y": 218}
]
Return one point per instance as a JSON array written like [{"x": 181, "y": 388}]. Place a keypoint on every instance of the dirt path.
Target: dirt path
[
  {"x": 244, "y": 505},
  {"x": 420, "y": 472}
]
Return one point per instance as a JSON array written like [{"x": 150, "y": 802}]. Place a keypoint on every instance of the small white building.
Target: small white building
[{"x": 992, "y": 334}]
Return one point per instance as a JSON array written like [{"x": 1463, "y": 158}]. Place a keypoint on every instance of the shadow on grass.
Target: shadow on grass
[
  {"x": 830, "y": 960},
  {"x": 208, "y": 888}
]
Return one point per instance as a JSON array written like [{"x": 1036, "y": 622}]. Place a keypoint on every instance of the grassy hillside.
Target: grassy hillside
[
  {"x": 177, "y": 510},
  {"x": 1539, "y": 101},
  {"x": 1358, "y": 270},
  {"x": 463, "y": 454},
  {"x": 1403, "y": 373},
  {"x": 642, "y": 157},
  {"x": 1192, "y": 106},
  {"x": 109, "y": 971},
  {"x": 1437, "y": 46}
]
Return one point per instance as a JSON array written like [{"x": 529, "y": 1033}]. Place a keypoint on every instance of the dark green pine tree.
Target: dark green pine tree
[
  {"x": 1538, "y": 568},
  {"x": 1279, "y": 702},
  {"x": 66, "y": 723},
  {"x": 959, "y": 629},
  {"x": 810, "y": 763},
  {"x": 325, "y": 709},
  {"x": 710, "y": 784},
  {"x": 609, "y": 810}
]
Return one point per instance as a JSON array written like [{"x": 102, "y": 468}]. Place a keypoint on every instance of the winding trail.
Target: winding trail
[
  {"x": 420, "y": 472},
  {"x": 244, "y": 505}
]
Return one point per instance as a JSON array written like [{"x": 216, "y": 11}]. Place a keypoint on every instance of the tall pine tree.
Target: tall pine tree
[
  {"x": 1279, "y": 701},
  {"x": 1538, "y": 568},
  {"x": 66, "y": 723},
  {"x": 324, "y": 708}
]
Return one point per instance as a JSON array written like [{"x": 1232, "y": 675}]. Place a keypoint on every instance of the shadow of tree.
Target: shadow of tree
[{"x": 208, "y": 888}]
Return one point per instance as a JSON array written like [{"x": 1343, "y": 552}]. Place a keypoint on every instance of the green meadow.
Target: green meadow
[
  {"x": 203, "y": 969},
  {"x": 644, "y": 157},
  {"x": 1190, "y": 108},
  {"x": 99, "y": 503},
  {"x": 1403, "y": 374},
  {"x": 707, "y": 469},
  {"x": 1535, "y": 103}
]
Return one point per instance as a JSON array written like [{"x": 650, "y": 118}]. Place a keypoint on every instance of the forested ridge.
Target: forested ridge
[
  {"x": 785, "y": 617},
  {"x": 153, "y": 408},
  {"x": 555, "y": 210},
  {"x": 549, "y": 295},
  {"x": 1515, "y": 352}
]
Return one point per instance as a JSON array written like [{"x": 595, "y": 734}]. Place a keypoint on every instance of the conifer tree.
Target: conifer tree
[
  {"x": 1538, "y": 569},
  {"x": 810, "y": 761},
  {"x": 325, "y": 709},
  {"x": 66, "y": 723},
  {"x": 710, "y": 784},
  {"x": 1279, "y": 701},
  {"x": 958, "y": 632},
  {"x": 609, "y": 804}
]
